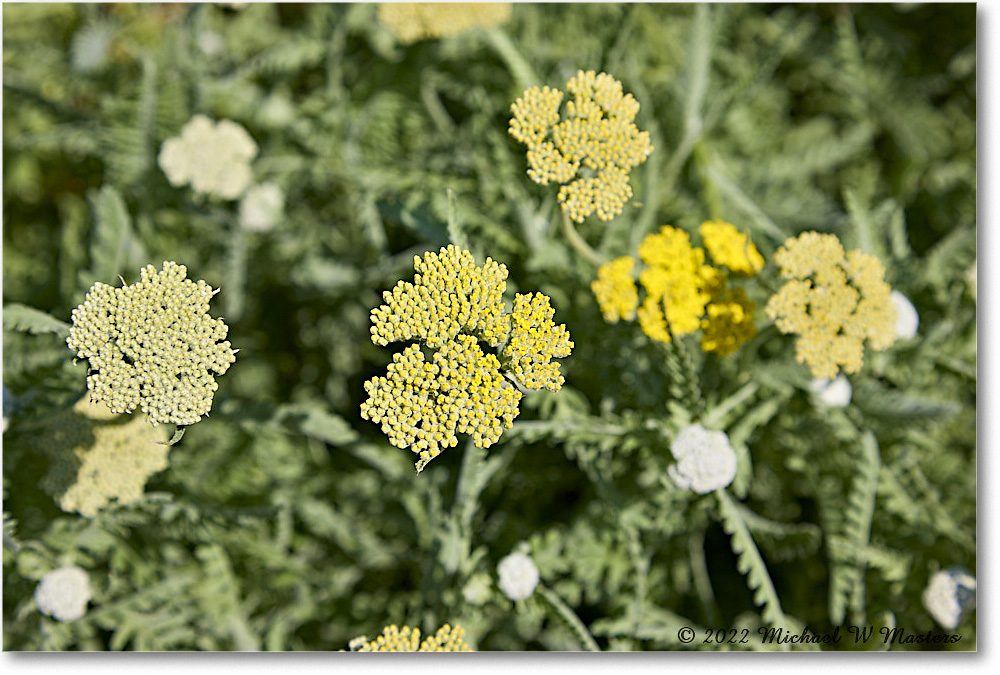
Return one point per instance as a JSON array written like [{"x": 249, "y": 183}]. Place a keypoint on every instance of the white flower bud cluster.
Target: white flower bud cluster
[
  {"x": 64, "y": 593},
  {"x": 835, "y": 393},
  {"x": 153, "y": 345},
  {"x": 948, "y": 594},
  {"x": 705, "y": 460},
  {"x": 907, "y": 319},
  {"x": 517, "y": 576},
  {"x": 212, "y": 157},
  {"x": 262, "y": 207}
]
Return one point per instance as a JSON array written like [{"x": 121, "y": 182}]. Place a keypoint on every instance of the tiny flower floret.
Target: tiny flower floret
[
  {"x": 705, "y": 459},
  {"x": 590, "y": 151},
  {"x": 412, "y": 21},
  {"x": 615, "y": 289},
  {"x": 152, "y": 345},
  {"x": 835, "y": 393},
  {"x": 406, "y": 639},
  {"x": 212, "y": 157},
  {"x": 64, "y": 593},
  {"x": 834, "y": 301},
  {"x": 517, "y": 576},
  {"x": 948, "y": 594},
  {"x": 907, "y": 319}
]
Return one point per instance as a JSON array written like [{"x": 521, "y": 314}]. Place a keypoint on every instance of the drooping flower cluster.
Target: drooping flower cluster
[
  {"x": 64, "y": 593},
  {"x": 517, "y": 576},
  {"x": 424, "y": 403},
  {"x": 96, "y": 459},
  {"x": 589, "y": 152},
  {"x": 153, "y": 345},
  {"x": 212, "y": 157},
  {"x": 413, "y": 21},
  {"x": 682, "y": 293},
  {"x": 834, "y": 301},
  {"x": 705, "y": 460},
  {"x": 948, "y": 595},
  {"x": 406, "y": 639}
]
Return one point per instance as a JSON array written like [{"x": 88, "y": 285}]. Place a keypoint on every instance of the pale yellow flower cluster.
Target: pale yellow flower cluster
[
  {"x": 682, "y": 293},
  {"x": 590, "y": 151},
  {"x": 406, "y": 639},
  {"x": 153, "y": 345},
  {"x": 412, "y": 21},
  {"x": 452, "y": 305},
  {"x": 834, "y": 301},
  {"x": 96, "y": 459}
]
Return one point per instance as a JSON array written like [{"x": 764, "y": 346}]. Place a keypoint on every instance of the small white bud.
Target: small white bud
[
  {"x": 948, "y": 594},
  {"x": 64, "y": 593},
  {"x": 518, "y": 576},
  {"x": 907, "y": 319},
  {"x": 835, "y": 393}
]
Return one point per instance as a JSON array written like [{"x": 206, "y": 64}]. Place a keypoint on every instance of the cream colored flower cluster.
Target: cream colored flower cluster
[
  {"x": 64, "y": 593},
  {"x": 412, "y": 21},
  {"x": 406, "y": 639},
  {"x": 153, "y": 345},
  {"x": 834, "y": 301},
  {"x": 590, "y": 151},
  {"x": 212, "y": 157},
  {"x": 96, "y": 459},
  {"x": 424, "y": 403}
]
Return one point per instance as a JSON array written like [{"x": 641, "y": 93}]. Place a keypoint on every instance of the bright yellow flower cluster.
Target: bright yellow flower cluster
[
  {"x": 682, "y": 294},
  {"x": 615, "y": 289},
  {"x": 731, "y": 248},
  {"x": 96, "y": 459},
  {"x": 406, "y": 639},
  {"x": 452, "y": 304},
  {"x": 412, "y": 21},
  {"x": 153, "y": 345},
  {"x": 591, "y": 151},
  {"x": 834, "y": 301}
]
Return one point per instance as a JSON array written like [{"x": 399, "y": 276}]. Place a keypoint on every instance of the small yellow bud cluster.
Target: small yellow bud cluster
[
  {"x": 406, "y": 639},
  {"x": 731, "y": 248},
  {"x": 451, "y": 305},
  {"x": 153, "y": 345},
  {"x": 682, "y": 293},
  {"x": 833, "y": 301},
  {"x": 96, "y": 459},
  {"x": 615, "y": 289},
  {"x": 591, "y": 151},
  {"x": 412, "y": 21},
  {"x": 534, "y": 341}
]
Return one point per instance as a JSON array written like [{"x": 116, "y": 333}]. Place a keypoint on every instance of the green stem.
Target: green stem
[
  {"x": 578, "y": 243},
  {"x": 516, "y": 64},
  {"x": 569, "y": 617}
]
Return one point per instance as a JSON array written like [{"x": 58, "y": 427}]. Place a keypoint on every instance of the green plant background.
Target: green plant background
[{"x": 286, "y": 522}]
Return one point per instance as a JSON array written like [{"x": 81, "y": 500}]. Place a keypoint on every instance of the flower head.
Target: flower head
[
  {"x": 907, "y": 319},
  {"x": 948, "y": 594},
  {"x": 705, "y": 460},
  {"x": 96, "y": 459},
  {"x": 152, "y": 345},
  {"x": 590, "y": 151},
  {"x": 518, "y": 576},
  {"x": 412, "y": 21},
  {"x": 728, "y": 322},
  {"x": 731, "y": 248},
  {"x": 261, "y": 207},
  {"x": 835, "y": 393},
  {"x": 615, "y": 289},
  {"x": 452, "y": 304},
  {"x": 213, "y": 157},
  {"x": 64, "y": 593},
  {"x": 406, "y": 639},
  {"x": 833, "y": 301}
]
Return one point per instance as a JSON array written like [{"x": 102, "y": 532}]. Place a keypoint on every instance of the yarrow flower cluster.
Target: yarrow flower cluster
[
  {"x": 64, "y": 593},
  {"x": 95, "y": 459},
  {"x": 834, "y": 301},
  {"x": 423, "y": 403},
  {"x": 413, "y": 21},
  {"x": 406, "y": 639},
  {"x": 907, "y": 319},
  {"x": 682, "y": 293},
  {"x": 261, "y": 207},
  {"x": 589, "y": 152},
  {"x": 212, "y": 157},
  {"x": 153, "y": 345},
  {"x": 835, "y": 393},
  {"x": 948, "y": 594},
  {"x": 517, "y": 576},
  {"x": 705, "y": 460}
]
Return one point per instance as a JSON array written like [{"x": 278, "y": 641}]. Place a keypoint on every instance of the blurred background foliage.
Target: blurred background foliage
[{"x": 284, "y": 521}]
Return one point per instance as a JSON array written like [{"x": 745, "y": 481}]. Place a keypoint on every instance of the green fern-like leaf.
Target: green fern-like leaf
[{"x": 26, "y": 319}]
